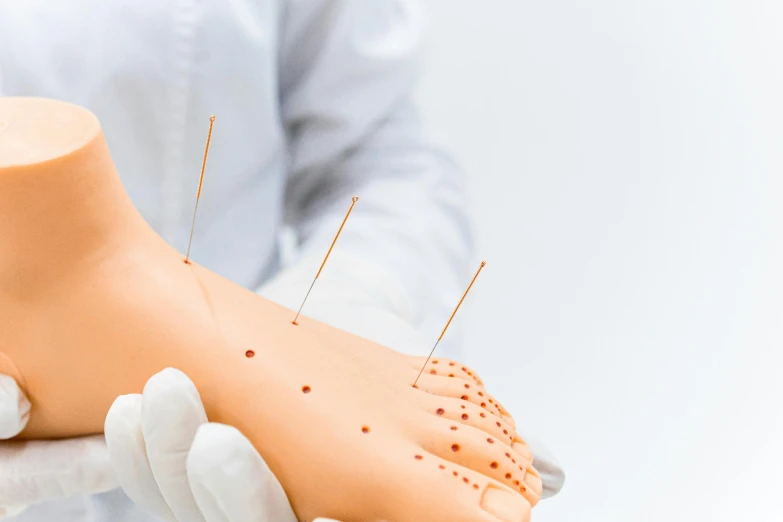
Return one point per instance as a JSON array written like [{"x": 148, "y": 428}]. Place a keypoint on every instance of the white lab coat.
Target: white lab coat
[{"x": 313, "y": 106}]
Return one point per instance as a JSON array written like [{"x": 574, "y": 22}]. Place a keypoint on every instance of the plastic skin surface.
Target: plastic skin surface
[{"x": 94, "y": 302}]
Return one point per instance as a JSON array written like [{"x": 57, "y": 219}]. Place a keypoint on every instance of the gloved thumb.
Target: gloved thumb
[{"x": 14, "y": 408}]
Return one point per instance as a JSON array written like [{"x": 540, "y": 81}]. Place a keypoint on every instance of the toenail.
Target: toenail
[
  {"x": 494, "y": 465},
  {"x": 505, "y": 504},
  {"x": 464, "y": 397},
  {"x": 306, "y": 389},
  {"x": 250, "y": 353},
  {"x": 490, "y": 440},
  {"x": 365, "y": 429},
  {"x": 440, "y": 411},
  {"x": 464, "y": 416},
  {"x": 455, "y": 447}
]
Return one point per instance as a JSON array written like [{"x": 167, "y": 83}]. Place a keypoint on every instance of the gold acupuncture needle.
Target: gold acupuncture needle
[
  {"x": 483, "y": 264},
  {"x": 200, "y": 183},
  {"x": 339, "y": 231}
]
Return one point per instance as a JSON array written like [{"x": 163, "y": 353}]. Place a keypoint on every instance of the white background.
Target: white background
[{"x": 626, "y": 172}]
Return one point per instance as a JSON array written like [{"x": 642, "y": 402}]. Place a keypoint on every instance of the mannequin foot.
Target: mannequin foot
[{"x": 94, "y": 303}]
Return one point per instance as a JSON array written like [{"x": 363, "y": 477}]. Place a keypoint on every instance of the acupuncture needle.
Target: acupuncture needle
[
  {"x": 339, "y": 231},
  {"x": 483, "y": 264},
  {"x": 200, "y": 184}
]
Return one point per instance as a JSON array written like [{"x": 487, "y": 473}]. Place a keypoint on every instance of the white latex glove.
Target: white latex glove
[
  {"x": 174, "y": 463},
  {"x": 168, "y": 458},
  {"x": 39, "y": 471}
]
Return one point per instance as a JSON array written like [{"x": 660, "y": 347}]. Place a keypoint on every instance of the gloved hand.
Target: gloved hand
[
  {"x": 167, "y": 457},
  {"x": 38, "y": 471},
  {"x": 174, "y": 463}
]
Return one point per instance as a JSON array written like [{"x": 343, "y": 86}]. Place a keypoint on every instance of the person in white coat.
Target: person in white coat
[{"x": 314, "y": 105}]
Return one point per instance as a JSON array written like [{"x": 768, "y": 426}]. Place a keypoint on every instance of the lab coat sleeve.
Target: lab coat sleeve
[{"x": 348, "y": 70}]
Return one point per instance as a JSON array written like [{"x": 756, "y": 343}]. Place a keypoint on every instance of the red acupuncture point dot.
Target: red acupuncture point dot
[
  {"x": 440, "y": 411},
  {"x": 250, "y": 354}
]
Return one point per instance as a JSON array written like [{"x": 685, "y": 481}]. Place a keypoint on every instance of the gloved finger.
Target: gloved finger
[
  {"x": 171, "y": 415},
  {"x": 551, "y": 472},
  {"x": 14, "y": 408},
  {"x": 37, "y": 471},
  {"x": 128, "y": 455},
  {"x": 230, "y": 480}
]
